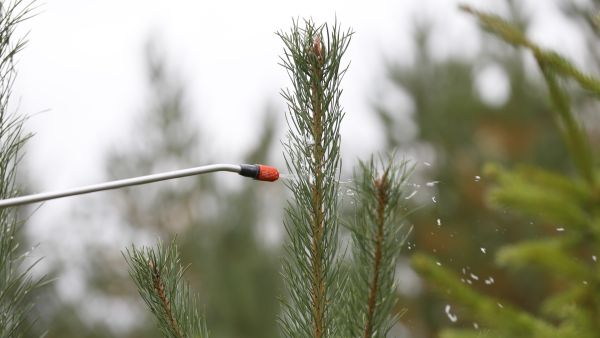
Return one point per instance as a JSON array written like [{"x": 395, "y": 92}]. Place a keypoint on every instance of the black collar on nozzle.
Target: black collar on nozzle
[{"x": 249, "y": 170}]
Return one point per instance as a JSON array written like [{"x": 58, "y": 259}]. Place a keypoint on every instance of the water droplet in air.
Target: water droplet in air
[
  {"x": 500, "y": 305},
  {"x": 477, "y": 178},
  {"x": 585, "y": 282},
  {"x": 489, "y": 281},
  {"x": 560, "y": 229},
  {"x": 438, "y": 263},
  {"x": 433, "y": 199},
  {"x": 594, "y": 258},
  {"x": 412, "y": 194},
  {"x": 350, "y": 192},
  {"x": 475, "y": 326},
  {"x": 427, "y": 164},
  {"x": 453, "y": 318},
  {"x": 432, "y": 183},
  {"x": 439, "y": 222},
  {"x": 474, "y": 276},
  {"x": 483, "y": 249}
]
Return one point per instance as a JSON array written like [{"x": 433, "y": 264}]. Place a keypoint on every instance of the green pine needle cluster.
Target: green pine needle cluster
[
  {"x": 570, "y": 204},
  {"x": 377, "y": 235},
  {"x": 158, "y": 275},
  {"x": 312, "y": 59},
  {"x": 16, "y": 281}
]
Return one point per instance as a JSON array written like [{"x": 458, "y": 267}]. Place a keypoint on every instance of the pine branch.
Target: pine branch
[
  {"x": 508, "y": 320},
  {"x": 312, "y": 58},
  {"x": 511, "y": 34},
  {"x": 16, "y": 281},
  {"x": 158, "y": 275},
  {"x": 551, "y": 64},
  {"x": 377, "y": 235},
  {"x": 550, "y": 254}
]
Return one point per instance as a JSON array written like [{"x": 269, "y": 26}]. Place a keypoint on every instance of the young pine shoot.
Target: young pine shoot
[
  {"x": 158, "y": 274},
  {"x": 312, "y": 58},
  {"x": 378, "y": 233}
]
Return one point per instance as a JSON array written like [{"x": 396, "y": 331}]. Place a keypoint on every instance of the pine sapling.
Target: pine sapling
[
  {"x": 377, "y": 236},
  {"x": 158, "y": 275},
  {"x": 312, "y": 58}
]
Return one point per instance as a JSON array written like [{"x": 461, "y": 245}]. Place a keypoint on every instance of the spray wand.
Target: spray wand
[{"x": 257, "y": 171}]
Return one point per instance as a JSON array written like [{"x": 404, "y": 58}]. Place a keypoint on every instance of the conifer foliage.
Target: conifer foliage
[
  {"x": 377, "y": 235},
  {"x": 15, "y": 278},
  {"x": 569, "y": 203},
  {"x": 324, "y": 299},
  {"x": 158, "y": 275},
  {"x": 313, "y": 61}
]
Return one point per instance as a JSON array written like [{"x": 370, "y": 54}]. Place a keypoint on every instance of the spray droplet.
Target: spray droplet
[
  {"x": 412, "y": 194},
  {"x": 439, "y": 222},
  {"x": 350, "y": 192},
  {"x": 500, "y": 305},
  {"x": 438, "y": 263},
  {"x": 427, "y": 164},
  {"x": 489, "y": 281},
  {"x": 477, "y": 178},
  {"x": 474, "y": 276},
  {"x": 483, "y": 249},
  {"x": 475, "y": 326},
  {"x": 585, "y": 282},
  {"x": 432, "y": 183},
  {"x": 453, "y": 318},
  {"x": 560, "y": 229},
  {"x": 594, "y": 258},
  {"x": 433, "y": 199}
]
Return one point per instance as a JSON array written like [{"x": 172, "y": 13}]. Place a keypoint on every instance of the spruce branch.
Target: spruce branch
[
  {"x": 377, "y": 236},
  {"x": 312, "y": 59},
  {"x": 16, "y": 281},
  {"x": 158, "y": 275}
]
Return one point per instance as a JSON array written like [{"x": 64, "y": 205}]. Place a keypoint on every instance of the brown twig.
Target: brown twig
[
  {"x": 159, "y": 286},
  {"x": 318, "y": 292},
  {"x": 381, "y": 186}
]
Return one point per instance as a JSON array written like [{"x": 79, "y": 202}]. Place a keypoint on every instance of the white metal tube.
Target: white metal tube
[{"x": 119, "y": 184}]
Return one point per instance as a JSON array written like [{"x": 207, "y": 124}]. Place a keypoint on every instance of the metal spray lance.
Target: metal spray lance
[{"x": 257, "y": 171}]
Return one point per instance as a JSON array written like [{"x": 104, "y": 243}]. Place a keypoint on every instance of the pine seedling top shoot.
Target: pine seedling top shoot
[
  {"x": 313, "y": 60},
  {"x": 378, "y": 233}
]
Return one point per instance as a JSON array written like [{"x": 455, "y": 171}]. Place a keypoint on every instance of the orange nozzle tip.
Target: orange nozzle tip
[{"x": 267, "y": 173}]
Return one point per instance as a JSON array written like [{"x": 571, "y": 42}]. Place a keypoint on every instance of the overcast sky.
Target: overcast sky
[{"x": 84, "y": 69}]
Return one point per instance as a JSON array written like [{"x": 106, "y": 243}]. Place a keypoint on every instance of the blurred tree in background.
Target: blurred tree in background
[
  {"x": 569, "y": 203},
  {"x": 234, "y": 272},
  {"x": 465, "y": 129}
]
